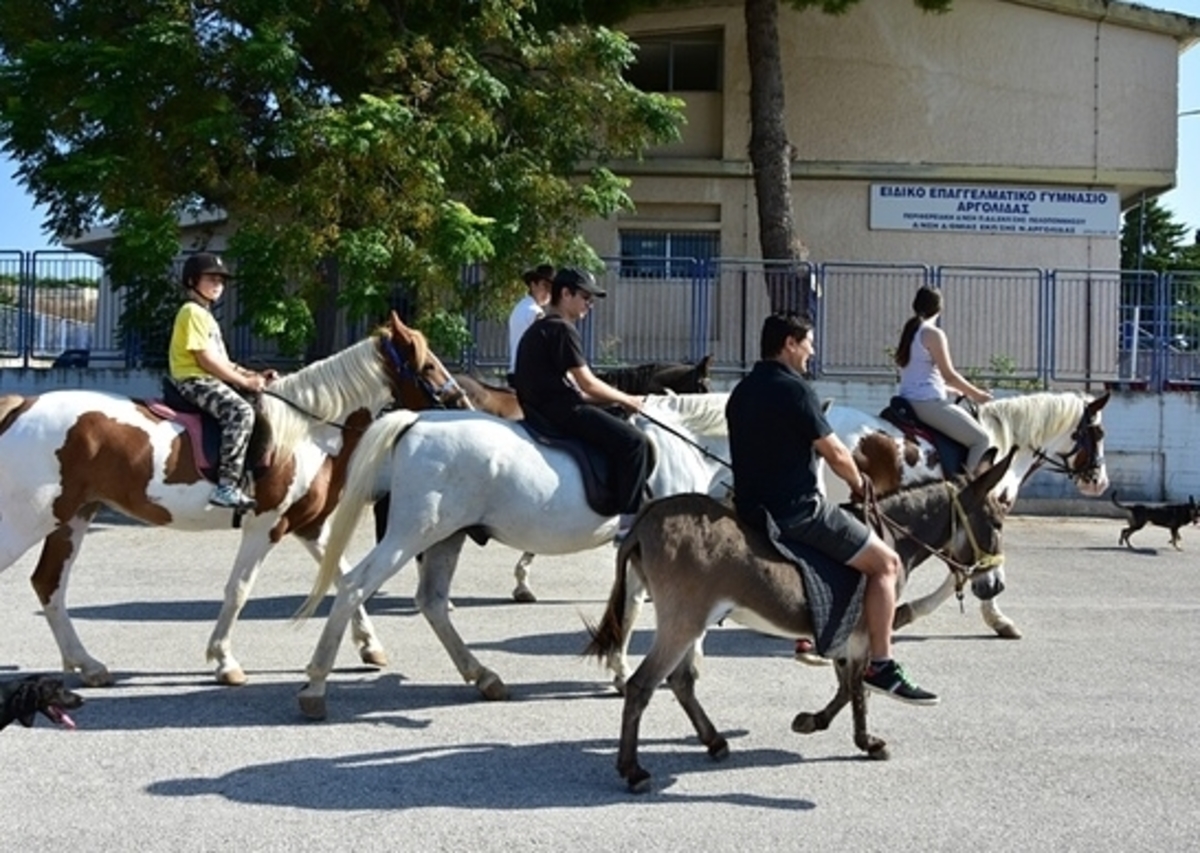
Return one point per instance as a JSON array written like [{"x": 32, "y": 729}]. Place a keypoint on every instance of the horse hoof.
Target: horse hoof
[
  {"x": 812, "y": 659},
  {"x": 879, "y": 752},
  {"x": 524, "y": 595},
  {"x": 234, "y": 677},
  {"x": 374, "y": 657},
  {"x": 804, "y": 723},
  {"x": 97, "y": 678},
  {"x": 492, "y": 688},
  {"x": 312, "y": 707},
  {"x": 1009, "y": 632},
  {"x": 718, "y": 750},
  {"x": 638, "y": 781}
]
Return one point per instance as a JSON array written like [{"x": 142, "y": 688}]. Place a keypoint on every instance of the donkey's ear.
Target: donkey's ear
[
  {"x": 986, "y": 461},
  {"x": 987, "y": 477},
  {"x": 705, "y": 364}
]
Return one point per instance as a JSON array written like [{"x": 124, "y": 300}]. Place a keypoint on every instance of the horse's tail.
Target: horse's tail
[
  {"x": 373, "y": 450},
  {"x": 608, "y": 636}
]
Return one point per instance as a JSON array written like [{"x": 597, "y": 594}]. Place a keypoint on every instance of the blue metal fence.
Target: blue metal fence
[{"x": 1015, "y": 325}]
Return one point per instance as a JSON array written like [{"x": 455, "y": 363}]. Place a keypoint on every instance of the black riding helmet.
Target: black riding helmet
[{"x": 203, "y": 263}]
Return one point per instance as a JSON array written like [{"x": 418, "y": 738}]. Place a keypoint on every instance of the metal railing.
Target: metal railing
[{"x": 1020, "y": 326}]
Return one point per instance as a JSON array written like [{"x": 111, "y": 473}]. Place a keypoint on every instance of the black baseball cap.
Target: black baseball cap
[{"x": 578, "y": 279}]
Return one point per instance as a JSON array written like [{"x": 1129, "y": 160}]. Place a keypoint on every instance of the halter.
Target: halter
[
  {"x": 982, "y": 560},
  {"x": 440, "y": 395},
  {"x": 1087, "y": 438}
]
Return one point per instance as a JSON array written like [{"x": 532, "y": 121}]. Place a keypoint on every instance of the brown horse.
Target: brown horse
[
  {"x": 66, "y": 454},
  {"x": 701, "y": 564}
]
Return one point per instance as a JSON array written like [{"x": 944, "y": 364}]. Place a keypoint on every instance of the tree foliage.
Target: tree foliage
[
  {"x": 1153, "y": 239},
  {"x": 390, "y": 141}
]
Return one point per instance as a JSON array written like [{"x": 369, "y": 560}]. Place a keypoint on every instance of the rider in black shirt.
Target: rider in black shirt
[
  {"x": 777, "y": 435},
  {"x": 558, "y": 391}
]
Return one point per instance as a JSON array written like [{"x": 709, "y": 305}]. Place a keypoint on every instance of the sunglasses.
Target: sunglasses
[{"x": 587, "y": 297}]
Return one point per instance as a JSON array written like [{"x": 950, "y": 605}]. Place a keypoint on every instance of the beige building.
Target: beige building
[
  {"x": 1015, "y": 94},
  {"x": 1002, "y": 134}
]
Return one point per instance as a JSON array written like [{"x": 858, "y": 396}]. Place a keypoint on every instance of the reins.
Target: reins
[
  {"x": 983, "y": 561},
  {"x": 686, "y": 440},
  {"x": 310, "y": 415}
]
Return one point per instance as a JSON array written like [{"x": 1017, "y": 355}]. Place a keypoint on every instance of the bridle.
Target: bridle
[
  {"x": 982, "y": 561},
  {"x": 1084, "y": 460},
  {"x": 445, "y": 396}
]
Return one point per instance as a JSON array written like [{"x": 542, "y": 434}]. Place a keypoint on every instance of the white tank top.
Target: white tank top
[{"x": 920, "y": 379}]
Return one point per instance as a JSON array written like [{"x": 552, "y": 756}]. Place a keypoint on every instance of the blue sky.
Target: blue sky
[{"x": 20, "y": 221}]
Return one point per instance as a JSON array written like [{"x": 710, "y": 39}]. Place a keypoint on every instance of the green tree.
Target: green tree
[
  {"x": 1152, "y": 239},
  {"x": 389, "y": 142}
]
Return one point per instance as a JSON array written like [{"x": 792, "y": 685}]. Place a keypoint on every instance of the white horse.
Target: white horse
[
  {"x": 1060, "y": 430},
  {"x": 66, "y": 454},
  {"x": 453, "y": 474}
]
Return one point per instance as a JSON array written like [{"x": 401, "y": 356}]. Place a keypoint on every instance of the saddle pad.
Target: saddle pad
[
  {"x": 834, "y": 591},
  {"x": 193, "y": 425},
  {"x": 593, "y": 465}
]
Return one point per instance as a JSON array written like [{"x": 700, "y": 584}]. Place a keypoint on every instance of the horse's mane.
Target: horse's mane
[
  {"x": 330, "y": 389},
  {"x": 702, "y": 414},
  {"x": 1031, "y": 420}
]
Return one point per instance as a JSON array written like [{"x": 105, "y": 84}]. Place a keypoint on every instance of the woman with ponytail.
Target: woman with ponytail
[{"x": 927, "y": 375}]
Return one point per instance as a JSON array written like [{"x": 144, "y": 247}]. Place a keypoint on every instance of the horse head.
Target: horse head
[
  {"x": 1084, "y": 462},
  {"x": 418, "y": 378}
]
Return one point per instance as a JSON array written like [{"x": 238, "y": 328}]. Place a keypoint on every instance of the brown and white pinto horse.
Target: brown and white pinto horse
[
  {"x": 66, "y": 454},
  {"x": 1061, "y": 430}
]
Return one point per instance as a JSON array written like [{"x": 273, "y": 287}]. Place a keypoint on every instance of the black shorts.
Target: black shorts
[{"x": 828, "y": 528}]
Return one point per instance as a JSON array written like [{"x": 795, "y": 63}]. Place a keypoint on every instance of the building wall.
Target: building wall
[{"x": 1012, "y": 93}]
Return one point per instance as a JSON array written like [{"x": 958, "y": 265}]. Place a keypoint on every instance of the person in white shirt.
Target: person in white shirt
[
  {"x": 530, "y": 308},
  {"x": 927, "y": 375}
]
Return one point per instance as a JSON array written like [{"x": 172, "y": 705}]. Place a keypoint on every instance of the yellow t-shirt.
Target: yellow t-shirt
[{"x": 195, "y": 329}]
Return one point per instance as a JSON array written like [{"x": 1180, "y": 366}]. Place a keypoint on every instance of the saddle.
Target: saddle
[
  {"x": 900, "y": 413},
  {"x": 204, "y": 433},
  {"x": 592, "y": 461}
]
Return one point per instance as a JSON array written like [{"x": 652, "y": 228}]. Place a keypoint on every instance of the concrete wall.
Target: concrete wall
[{"x": 1149, "y": 445}]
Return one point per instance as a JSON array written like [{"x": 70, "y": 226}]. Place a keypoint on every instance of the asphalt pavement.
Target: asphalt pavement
[{"x": 1082, "y": 735}]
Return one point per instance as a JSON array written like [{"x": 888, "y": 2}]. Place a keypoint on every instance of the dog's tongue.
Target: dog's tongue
[{"x": 62, "y": 718}]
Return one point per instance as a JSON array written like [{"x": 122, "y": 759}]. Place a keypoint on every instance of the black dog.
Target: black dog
[
  {"x": 25, "y": 698},
  {"x": 1172, "y": 516}
]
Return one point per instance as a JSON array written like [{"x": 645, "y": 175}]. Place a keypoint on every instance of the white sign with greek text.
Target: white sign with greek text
[{"x": 990, "y": 209}]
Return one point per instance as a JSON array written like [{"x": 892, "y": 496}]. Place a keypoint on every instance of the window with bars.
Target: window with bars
[{"x": 666, "y": 254}]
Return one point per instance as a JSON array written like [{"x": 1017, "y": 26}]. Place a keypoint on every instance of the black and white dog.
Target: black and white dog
[
  {"x": 1171, "y": 516},
  {"x": 21, "y": 700}
]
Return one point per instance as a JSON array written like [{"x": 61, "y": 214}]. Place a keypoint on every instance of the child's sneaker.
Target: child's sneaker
[{"x": 230, "y": 497}]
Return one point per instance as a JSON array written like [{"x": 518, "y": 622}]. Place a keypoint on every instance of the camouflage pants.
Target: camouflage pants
[{"x": 233, "y": 413}]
